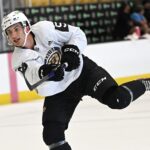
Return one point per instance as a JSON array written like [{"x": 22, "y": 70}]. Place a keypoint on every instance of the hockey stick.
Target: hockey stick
[{"x": 50, "y": 75}]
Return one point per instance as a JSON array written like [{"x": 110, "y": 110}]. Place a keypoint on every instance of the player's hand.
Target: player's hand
[
  {"x": 46, "y": 69},
  {"x": 70, "y": 54}
]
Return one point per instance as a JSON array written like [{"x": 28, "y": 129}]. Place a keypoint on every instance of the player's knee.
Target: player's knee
[
  {"x": 117, "y": 98},
  {"x": 53, "y": 133}
]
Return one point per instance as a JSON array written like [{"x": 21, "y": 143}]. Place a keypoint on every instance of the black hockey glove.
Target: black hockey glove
[
  {"x": 70, "y": 54},
  {"x": 47, "y": 68}
]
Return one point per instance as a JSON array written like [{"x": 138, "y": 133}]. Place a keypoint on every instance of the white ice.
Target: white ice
[{"x": 93, "y": 126}]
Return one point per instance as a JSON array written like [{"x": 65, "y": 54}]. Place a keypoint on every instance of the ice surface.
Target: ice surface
[{"x": 93, "y": 126}]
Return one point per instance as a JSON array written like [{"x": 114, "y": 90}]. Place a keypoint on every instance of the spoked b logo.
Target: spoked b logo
[{"x": 53, "y": 56}]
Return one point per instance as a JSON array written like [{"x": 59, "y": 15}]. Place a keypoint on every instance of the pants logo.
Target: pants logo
[{"x": 98, "y": 83}]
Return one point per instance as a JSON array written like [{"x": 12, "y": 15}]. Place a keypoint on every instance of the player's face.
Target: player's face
[{"x": 16, "y": 35}]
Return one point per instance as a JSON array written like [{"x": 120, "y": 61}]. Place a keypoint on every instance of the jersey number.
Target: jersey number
[{"x": 61, "y": 26}]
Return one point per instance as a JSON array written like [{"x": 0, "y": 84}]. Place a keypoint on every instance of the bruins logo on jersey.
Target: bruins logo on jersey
[{"x": 53, "y": 56}]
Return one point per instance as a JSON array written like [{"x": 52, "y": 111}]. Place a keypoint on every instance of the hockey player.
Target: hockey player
[{"x": 42, "y": 48}]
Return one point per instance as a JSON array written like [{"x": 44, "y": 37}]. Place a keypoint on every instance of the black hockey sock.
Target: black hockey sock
[
  {"x": 135, "y": 88},
  {"x": 65, "y": 146}
]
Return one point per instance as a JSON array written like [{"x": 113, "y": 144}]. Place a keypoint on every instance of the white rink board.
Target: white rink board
[
  {"x": 93, "y": 126},
  {"x": 121, "y": 59},
  {"x": 4, "y": 75}
]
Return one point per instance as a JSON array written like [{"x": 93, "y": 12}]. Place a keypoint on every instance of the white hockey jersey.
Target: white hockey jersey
[{"x": 47, "y": 36}]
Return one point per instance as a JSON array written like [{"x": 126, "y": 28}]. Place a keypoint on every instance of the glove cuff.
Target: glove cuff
[{"x": 71, "y": 48}]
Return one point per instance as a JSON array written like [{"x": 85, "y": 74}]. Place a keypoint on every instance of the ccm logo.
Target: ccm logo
[
  {"x": 98, "y": 83},
  {"x": 71, "y": 50}
]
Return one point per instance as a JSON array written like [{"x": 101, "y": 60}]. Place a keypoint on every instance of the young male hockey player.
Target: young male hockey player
[{"x": 42, "y": 48}]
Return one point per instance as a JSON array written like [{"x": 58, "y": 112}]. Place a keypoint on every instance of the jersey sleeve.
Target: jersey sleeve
[
  {"x": 60, "y": 33},
  {"x": 33, "y": 61},
  {"x": 69, "y": 34}
]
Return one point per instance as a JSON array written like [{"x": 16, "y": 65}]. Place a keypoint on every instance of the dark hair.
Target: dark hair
[
  {"x": 124, "y": 5},
  {"x": 145, "y": 2}
]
